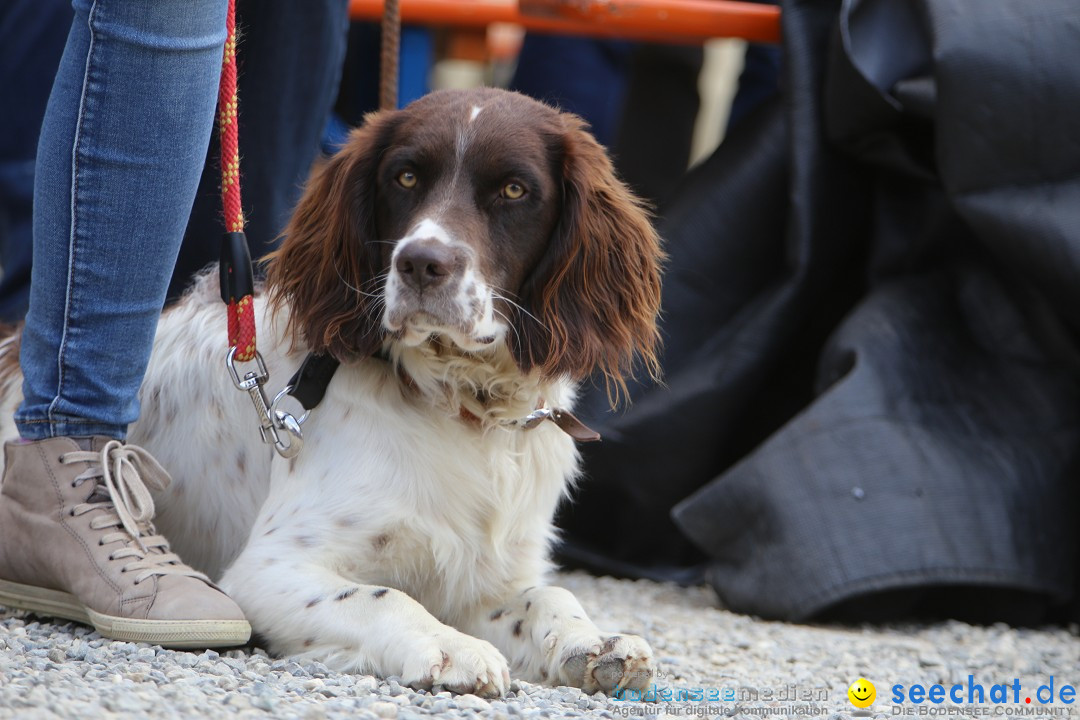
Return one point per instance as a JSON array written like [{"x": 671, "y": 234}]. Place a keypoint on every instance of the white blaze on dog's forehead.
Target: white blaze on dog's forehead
[{"x": 464, "y": 136}]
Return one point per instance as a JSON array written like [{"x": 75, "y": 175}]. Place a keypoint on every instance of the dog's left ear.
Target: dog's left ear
[{"x": 595, "y": 294}]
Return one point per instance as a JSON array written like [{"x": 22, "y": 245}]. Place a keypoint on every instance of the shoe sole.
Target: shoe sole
[{"x": 167, "y": 633}]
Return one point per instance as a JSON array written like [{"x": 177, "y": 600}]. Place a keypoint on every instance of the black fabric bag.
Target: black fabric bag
[{"x": 872, "y": 397}]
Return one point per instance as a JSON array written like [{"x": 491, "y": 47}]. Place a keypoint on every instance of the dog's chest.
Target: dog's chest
[{"x": 413, "y": 498}]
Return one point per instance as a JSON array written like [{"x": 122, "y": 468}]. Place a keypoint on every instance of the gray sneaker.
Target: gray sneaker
[{"x": 77, "y": 542}]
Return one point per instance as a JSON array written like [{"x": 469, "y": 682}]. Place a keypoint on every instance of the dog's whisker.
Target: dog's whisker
[
  {"x": 380, "y": 278},
  {"x": 358, "y": 291},
  {"x": 498, "y": 296},
  {"x": 501, "y": 314},
  {"x": 345, "y": 282}
]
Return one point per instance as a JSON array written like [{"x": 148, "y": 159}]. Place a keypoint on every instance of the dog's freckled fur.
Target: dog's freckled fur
[
  {"x": 455, "y": 311},
  {"x": 346, "y": 594}
]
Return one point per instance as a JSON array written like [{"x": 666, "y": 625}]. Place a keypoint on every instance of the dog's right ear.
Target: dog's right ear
[{"x": 326, "y": 273}]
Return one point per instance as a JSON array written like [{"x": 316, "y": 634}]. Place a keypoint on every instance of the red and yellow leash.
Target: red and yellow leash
[
  {"x": 237, "y": 287},
  {"x": 237, "y": 279}
]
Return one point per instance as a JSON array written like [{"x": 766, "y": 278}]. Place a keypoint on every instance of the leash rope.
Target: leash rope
[
  {"x": 241, "y": 302},
  {"x": 276, "y": 427},
  {"x": 389, "y": 55}
]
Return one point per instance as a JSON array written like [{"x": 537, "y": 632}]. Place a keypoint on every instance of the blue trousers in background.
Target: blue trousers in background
[
  {"x": 290, "y": 59},
  {"x": 32, "y": 37}
]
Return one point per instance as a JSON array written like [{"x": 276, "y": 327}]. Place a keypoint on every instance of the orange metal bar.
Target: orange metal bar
[{"x": 679, "y": 21}]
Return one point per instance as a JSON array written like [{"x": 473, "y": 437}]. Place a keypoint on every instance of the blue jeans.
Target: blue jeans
[{"x": 119, "y": 158}]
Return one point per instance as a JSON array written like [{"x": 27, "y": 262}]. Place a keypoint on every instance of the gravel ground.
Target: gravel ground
[{"x": 65, "y": 671}]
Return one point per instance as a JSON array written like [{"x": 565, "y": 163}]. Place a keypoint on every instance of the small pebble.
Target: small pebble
[
  {"x": 384, "y": 709},
  {"x": 472, "y": 702}
]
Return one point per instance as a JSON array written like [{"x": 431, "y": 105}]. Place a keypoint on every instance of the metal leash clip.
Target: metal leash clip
[{"x": 273, "y": 423}]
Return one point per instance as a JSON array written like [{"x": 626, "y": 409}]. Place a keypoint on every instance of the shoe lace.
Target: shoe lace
[{"x": 122, "y": 474}]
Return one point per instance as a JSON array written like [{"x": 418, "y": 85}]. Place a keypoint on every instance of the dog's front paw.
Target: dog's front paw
[
  {"x": 605, "y": 662},
  {"x": 459, "y": 663}
]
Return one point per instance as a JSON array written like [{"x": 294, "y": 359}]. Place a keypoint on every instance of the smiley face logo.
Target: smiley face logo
[{"x": 862, "y": 693}]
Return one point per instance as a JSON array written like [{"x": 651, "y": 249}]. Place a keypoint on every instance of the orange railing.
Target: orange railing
[{"x": 678, "y": 21}]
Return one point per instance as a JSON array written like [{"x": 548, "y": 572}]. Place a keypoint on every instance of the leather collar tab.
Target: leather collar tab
[{"x": 309, "y": 383}]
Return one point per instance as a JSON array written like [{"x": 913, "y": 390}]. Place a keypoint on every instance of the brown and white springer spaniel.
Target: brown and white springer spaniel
[{"x": 468, "y": 259}]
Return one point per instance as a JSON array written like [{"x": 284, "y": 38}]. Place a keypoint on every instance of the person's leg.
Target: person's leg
[
  {"x": 119, "y": 157},
  {"x": 290, "y": 59},
  {"x": 123, "y": 141}
]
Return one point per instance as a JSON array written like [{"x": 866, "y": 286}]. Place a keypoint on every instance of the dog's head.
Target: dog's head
[{"x": 481, "y": 217}]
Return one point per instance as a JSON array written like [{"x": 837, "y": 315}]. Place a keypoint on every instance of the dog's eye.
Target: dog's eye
[
  {"x": 512, "y": 191},
  {"x": 407, "y": 179}
]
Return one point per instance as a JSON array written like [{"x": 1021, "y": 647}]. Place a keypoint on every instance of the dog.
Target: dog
[{"x": 468, "y": 259}]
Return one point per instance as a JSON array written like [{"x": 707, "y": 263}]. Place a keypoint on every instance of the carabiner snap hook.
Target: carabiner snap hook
[
  {"x": 285, "y": 421},
  {"x": 271, "y": 420}
]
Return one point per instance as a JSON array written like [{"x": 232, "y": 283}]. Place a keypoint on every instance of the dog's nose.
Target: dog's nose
[{"x": 426, "y": 264}]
